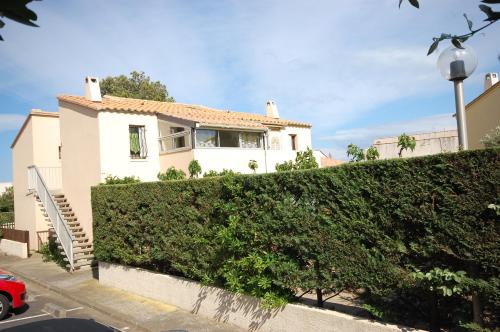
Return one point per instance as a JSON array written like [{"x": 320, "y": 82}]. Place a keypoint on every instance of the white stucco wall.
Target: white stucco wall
[
  {"x": 303, "y": 138},
  {"x": 14, "y": 248},
  {"x": 115, "y": 145},
  {"x": 237, "y": 309},
  {"x": 237, "y": 159}
]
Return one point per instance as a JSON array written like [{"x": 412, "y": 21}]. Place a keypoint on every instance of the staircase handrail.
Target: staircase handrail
[{"x": 37, "y": 183}]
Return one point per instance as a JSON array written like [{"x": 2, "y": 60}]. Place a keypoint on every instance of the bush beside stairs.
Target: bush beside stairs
[{"x": 82, "y": 247}]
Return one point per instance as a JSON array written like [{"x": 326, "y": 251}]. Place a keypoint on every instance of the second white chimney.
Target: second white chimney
[
  {"x": 92, "y": 89},
  {"x": 489, "y": 80},
  {"x": 272, "y": 109}
]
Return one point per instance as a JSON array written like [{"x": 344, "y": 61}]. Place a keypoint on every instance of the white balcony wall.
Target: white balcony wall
[{"x": 115, "y": 145}]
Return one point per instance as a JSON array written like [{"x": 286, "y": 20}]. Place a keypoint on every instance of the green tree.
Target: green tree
[
  {"x": 355, "y": 152},
  {"x": 194, "y": 168},
  {"x": 303, "y": 160},
  {"x": 457, "y": 40},
  {"x": 372, "y": 153},
  {"x": 172, "y": 174},
  {"x": 7, "y": 200},
  {"x": 252, "y": 164},
  {"x": 492, "y": 139},
  {"x": 16, "y": 10},
  {"x": 138, "y": 86},
  {"x": 406, "y": 142}
]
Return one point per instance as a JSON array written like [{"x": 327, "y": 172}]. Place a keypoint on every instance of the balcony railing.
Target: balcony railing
[
  {"x": 175, "y": 142},
  {"x": 51, "y": 175}
]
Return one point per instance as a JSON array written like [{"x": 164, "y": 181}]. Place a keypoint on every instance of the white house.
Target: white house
[{"x": 91, "y": 137}]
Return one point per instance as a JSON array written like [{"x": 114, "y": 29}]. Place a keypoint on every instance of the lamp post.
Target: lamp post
[{"x": 456, "y": 64}]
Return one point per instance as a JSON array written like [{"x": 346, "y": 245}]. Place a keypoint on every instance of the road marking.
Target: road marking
[
  {"x": 24, "y": 318},
  {"x": 78, "y": 308}
]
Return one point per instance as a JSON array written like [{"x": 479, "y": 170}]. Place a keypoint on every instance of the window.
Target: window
[
  {"x": 137, "y": 135},
  {"x": 206, "y": 138},
  {"x": 293, "y": 139},
  {"x": 275, "y": 143},
  {"x": 179, "y": 141},
  {"x": 229, "y": 139},
  {"x": 251, "y": 140}
]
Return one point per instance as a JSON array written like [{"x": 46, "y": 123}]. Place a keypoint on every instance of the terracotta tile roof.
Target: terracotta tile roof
[{"x": 201, "y": 114}]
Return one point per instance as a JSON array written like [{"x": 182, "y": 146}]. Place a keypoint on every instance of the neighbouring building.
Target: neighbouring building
[
  {"x": 57, "y": 157},
  {"x": 483, "y": 113},
  {"x": 426, "y": 144}
]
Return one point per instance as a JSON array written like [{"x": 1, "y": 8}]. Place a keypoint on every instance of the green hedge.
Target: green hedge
[
  {"x": 370, "y": 225},
  {"x": 6, "y": 218}
]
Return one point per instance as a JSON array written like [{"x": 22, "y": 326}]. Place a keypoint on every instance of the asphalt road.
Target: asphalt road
[{"x": 49, "y": 311}]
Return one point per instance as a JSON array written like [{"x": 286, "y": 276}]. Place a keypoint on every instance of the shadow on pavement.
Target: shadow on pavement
[{"x": 62, "y": 325}]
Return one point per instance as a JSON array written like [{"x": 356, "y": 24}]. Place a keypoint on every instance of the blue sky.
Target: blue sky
[{"x": 355, "y": 70}]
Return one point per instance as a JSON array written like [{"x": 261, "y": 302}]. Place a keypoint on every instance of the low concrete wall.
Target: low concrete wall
[
  {"x": 14, "y": 248},
  {"x": 240, "y": 310}
]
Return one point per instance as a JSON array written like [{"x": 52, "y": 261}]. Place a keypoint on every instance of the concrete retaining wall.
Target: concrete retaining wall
[
  {"x": 240, "y": 310},
  {"x": 14, "y": 248}
]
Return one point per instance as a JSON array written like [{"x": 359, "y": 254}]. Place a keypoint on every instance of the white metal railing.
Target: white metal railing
[
  {"x": 37, "y": 184},
  {"x": 52, "y": 177},
  {"x": 175, "y": 142}
]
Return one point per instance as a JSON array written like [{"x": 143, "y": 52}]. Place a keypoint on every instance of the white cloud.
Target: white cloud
[
  {"x": 324, "y": 62},
  {"x": 11, "y": 121}
]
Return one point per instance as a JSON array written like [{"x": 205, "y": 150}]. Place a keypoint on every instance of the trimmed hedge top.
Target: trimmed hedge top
[{"x": 364, "y": 225}]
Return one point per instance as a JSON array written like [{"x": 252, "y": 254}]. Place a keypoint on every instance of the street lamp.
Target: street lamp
[{"x": 456, "y": 64}]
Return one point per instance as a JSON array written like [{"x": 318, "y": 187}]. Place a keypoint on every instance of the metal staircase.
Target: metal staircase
[{"x": 72, "y": 240}]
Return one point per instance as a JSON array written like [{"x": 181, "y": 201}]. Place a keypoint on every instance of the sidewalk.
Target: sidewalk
[{"x": 141, "y": 313}]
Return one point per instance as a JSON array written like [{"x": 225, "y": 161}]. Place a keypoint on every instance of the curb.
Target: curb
[{"x": 105, "y": 310}]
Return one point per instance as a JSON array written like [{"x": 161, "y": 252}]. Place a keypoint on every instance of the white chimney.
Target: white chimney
[
  {"x": 489, "y": 80},
  {"x": 272, "y": 109},
  {"x": 92, "y": 89}
]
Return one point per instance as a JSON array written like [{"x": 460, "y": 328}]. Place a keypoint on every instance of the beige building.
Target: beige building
[
  {"x": 37, "y": 143},
  {"x": 57, "y": 157},
  {"x": 483, "y": 115},
  {"x": 426, "y": 144}
]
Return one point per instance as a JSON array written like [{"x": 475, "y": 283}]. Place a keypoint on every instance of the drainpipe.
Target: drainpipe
[{"x": 265, "y": 149}]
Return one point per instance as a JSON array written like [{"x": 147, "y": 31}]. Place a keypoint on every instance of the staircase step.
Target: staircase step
[
  {"x": 75, "y": 228},
  {"x": 82, "y": 245},
  {"x": 79, "y": 264},
  {"x": 58, "y": 195},
  {"x": 78, "y": 234},
  {"x": 82, "y": 256},
  {"x": 81, "y": 239},
  {"x": 82, "y": 250}
]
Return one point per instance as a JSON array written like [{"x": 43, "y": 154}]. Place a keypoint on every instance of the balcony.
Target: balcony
[
  {"x": 52, "y": 176},
  {"x": 180, "y": 141}
]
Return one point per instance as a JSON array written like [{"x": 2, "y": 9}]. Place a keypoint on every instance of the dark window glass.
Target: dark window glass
[{"x": 229, "y": 139}]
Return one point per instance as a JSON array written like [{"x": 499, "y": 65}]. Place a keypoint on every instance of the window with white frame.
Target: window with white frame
[
  {"x": 138, "y": 148},
  {"x": 275, "y": 143}
]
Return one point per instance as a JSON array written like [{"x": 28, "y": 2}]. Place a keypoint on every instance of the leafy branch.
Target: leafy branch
[
  {"x": 457, "y": 40},
  {"x": 16, "y": 10}
]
